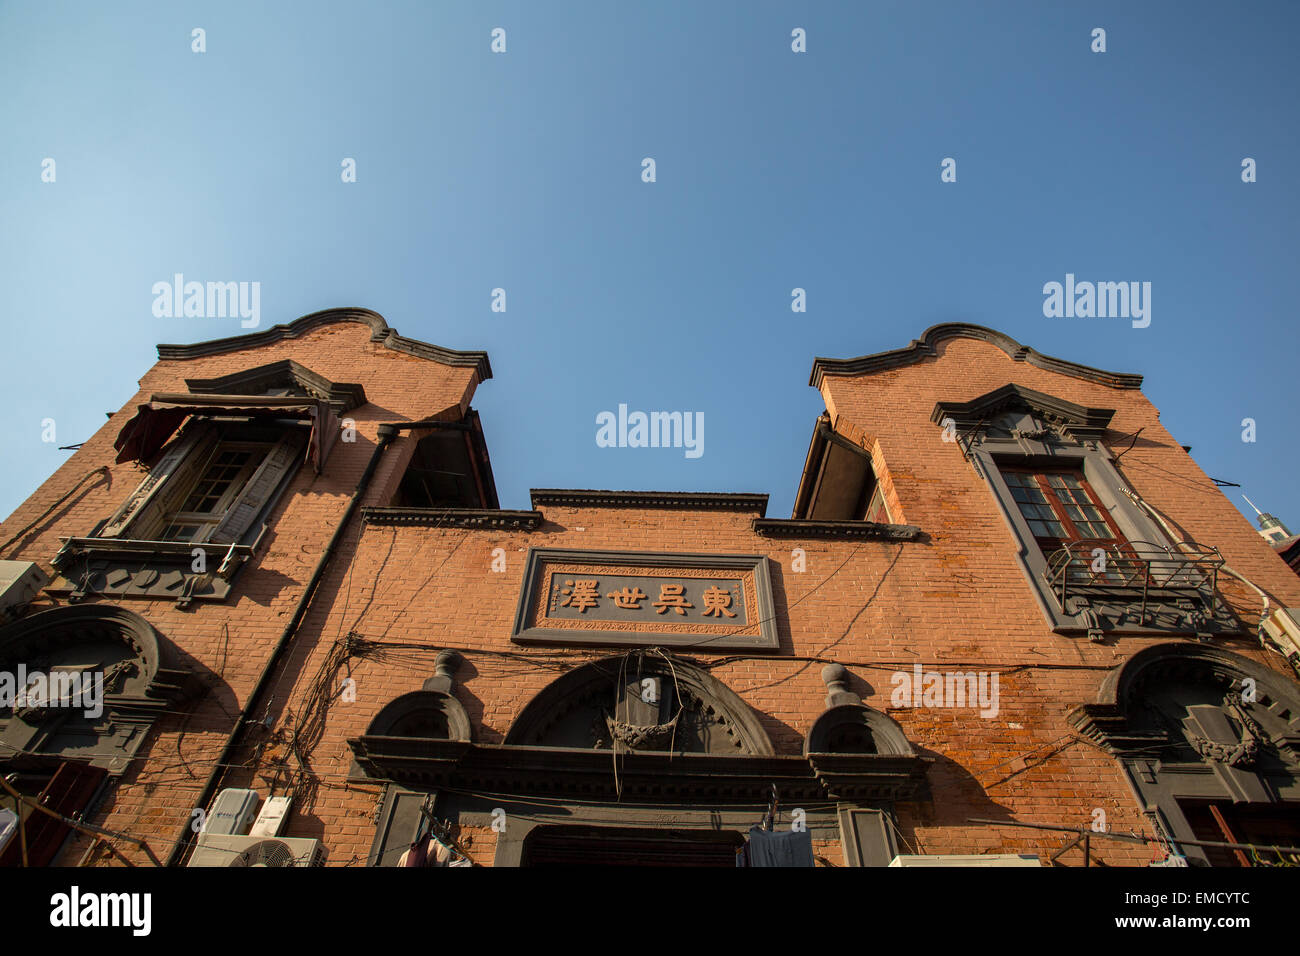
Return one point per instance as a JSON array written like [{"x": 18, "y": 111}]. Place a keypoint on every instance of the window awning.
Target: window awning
[{"x": 155, "y": 422}]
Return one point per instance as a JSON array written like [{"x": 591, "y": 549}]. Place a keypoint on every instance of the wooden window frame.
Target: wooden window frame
[
  {"x": 172, "y": 480},
  {"x": 1053, "y": 501},
  {"x": 208, "y": 521},
  {"x": 1015, "y": 430}
]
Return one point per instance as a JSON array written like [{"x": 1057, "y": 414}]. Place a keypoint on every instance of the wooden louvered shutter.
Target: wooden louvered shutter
[
  {"x": 253, "y": 498},
  {"x": 69, "y": 792},
  {"x": 179, "y": 465}
]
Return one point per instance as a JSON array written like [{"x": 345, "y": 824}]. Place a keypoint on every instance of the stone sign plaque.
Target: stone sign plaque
[{"x": 705, "y": 602}]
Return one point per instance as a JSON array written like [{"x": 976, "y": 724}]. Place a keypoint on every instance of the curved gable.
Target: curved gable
[
  {"x": 927, "y": 347},
  {"x": 380, "y": 332}
]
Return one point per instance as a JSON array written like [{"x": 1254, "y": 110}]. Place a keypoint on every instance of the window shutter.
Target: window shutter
[
  {"x": 259, "y": 489},
  {"x": 69, "y": 792},
  {"x": 164, "y": 480},
  {"x": 865, "y": 836}
]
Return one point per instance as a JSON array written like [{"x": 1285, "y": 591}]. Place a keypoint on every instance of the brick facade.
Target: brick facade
[{"x": 951, "y": 598}]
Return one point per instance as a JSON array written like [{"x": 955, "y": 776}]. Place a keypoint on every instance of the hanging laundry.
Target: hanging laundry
[
  {"x": 443, "y": 854},
  {"x": 777, "y": 848},
  {"x": 417, "y": 854},
  {"x": 431, "y": 851}
]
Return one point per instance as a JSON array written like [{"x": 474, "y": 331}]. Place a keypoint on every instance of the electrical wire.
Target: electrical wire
[
  {"x": 62, "y": 498},
  {"x": 1226, "y": 568}
]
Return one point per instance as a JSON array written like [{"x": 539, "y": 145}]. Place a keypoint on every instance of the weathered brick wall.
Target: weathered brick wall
[
  {"x": 976, "y": 605},
  {"x": 229, "y": 642},
  {"x": 947, "y": 499},
  {"x": 955, "y": 599},
  {"x": 869, "y": 605}
]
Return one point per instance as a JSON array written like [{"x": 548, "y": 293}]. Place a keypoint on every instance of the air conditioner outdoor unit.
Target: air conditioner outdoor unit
[
  {"x": 271, "y": 818},
  {"x": 232, "y": 812},
  {"x": 976, "y": 859},
  {"x": 20, "y": 583},
  {"x": 222, "y": 849}
]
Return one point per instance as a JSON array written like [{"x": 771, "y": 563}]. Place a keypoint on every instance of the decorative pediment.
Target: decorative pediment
[
  {"x": 432, "y": 712},
  {"x": 283, "y": 378},
  {"x": 678, "y": 732},
  {"x": 643, "y": 701},
  {"x": 848, "y": 726},
  {"x": 1014, "y": 411},
  {"x": 94, "y": 679},
  {"x": 1203, "y": 734},
  {"x": 1188, "y": 702}
]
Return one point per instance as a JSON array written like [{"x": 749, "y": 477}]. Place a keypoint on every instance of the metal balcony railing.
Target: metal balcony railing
[{"x": 1135, "y": 572}]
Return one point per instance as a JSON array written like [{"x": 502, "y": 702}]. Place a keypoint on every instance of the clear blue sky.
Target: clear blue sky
[{"x": 775, "y": 170}]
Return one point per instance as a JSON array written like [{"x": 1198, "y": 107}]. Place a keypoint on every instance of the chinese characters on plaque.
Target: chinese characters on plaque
[
  {"x": 715, "y": 596},
  {"x": 713, "y": 602}
]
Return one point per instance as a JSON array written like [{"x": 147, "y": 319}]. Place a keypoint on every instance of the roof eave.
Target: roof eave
[
  {"x": 380, "y": 331},
  {"x": 925, "y": 347}
]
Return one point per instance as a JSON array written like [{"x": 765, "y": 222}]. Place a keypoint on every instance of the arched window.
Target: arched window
[
  {"x": 80, "y": 688},
  {"x": 95, "y": 678},
  {"x": 1211, "y": 741}
]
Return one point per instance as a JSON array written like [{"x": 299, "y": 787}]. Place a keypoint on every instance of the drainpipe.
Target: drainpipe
[{"x": 387, "y": 432}]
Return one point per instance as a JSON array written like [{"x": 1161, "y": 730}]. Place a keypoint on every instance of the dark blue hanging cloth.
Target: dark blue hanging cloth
[{"x": 777, "y": 848}]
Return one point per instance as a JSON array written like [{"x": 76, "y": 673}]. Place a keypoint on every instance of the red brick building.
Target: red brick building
[{"x": 1006, "y": 595}]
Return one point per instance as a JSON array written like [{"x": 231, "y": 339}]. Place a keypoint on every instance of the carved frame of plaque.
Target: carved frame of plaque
[{"x": 541, "y": 617}]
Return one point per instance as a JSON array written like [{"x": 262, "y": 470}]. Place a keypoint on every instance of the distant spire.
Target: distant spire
[{"x": 1271, "y": 529}]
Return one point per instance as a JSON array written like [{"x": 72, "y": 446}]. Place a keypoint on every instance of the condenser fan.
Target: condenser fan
[{"x": 265, "y": 853}]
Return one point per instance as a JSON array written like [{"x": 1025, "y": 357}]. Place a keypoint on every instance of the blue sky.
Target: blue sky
[{"x": 775, "y": 170}]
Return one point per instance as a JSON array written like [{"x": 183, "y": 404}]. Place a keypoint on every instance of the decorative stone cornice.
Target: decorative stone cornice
[
  {"x": 127, "y": 548},
  {"x": 702, "y": 501},
  {"x": 343, "y": 396},
  {"x": 379, "y": 332},
  {"x": 805, "y": 528},
  {"x": 643, "y": 777},
  {"x": 926, "y": 346},
  {"x": 1082, "y": 422},
  {"x": 156, "y": 570},
  {"x": 454, "y": 518}
]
